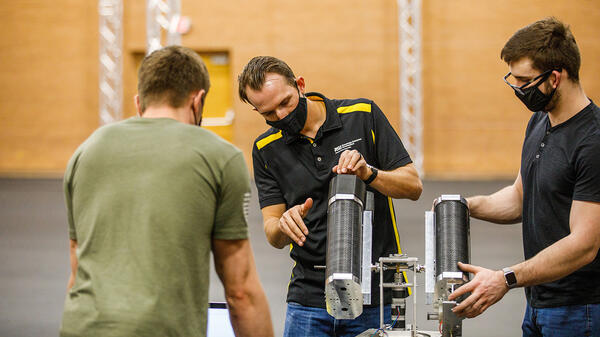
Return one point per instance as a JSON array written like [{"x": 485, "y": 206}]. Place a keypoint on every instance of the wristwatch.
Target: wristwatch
[
  {"x": 510, "y": 278},
  {"x": 372, "y": 176}
]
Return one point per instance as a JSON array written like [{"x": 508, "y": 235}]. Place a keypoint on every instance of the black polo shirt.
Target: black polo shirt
[
  {"x": 290, "y": 168},
  {"x": 558, "y": 165}
]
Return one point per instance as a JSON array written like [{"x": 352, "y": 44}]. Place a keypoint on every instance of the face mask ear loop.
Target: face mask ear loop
[{"x": 541, "y": 80}]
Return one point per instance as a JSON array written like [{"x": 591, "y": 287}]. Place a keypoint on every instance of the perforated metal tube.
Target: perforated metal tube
[
  {"x": 343, "y": 293},
  {"x": 452, "y": 233}
]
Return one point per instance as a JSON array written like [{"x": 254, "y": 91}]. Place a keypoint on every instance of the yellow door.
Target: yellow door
[{"x": 218, "y": 110}]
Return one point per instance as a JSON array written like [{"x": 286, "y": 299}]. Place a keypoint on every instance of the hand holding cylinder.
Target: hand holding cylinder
[{"x": 486, "y": 288}]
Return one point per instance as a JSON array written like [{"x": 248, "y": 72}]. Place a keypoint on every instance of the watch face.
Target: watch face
[{"x": 511, "y": 279}]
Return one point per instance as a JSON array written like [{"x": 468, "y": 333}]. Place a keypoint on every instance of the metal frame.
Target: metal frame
[
  {"x": 411, "y": 108},
  {"x": 162, "y": 16},
  {"x": 398, "y": 263},
  {"x": 111, "y": 60}
]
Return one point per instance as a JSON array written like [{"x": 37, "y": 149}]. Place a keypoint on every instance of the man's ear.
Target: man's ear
[
  {"x": 557, "y": 78},
  {"x": 199, "y": 99},
  {"x": 138, "y": 107},
  {"x": 198, "y": 104},
  {"x": 300, "y": 83}
]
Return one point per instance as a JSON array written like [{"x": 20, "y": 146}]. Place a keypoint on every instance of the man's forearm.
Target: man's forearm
[
  {"x": 556, "y": 261},
  {"x": 402, "y": 183},
  {"x": 503, "y": 207},
  {"x": 71, "y": 281},
  {"x": 73, "y": 262},
  {"x": 249, "y": 310}
]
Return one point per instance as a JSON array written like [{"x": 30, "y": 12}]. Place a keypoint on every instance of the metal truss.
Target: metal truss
[
  {"x": 162, "y": 16},
  {"x": 411, "y": 106},
  {"x": 111, "y": 60},
  {"x": 163, "y": 19}
]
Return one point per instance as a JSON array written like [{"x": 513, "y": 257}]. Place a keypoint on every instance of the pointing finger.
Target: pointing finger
[{"x": 306, "y": 207}]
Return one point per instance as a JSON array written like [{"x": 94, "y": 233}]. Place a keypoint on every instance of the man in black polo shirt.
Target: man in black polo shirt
[
  {"x": 556, "y": 194},
  {"x": 312, "y": 139}
]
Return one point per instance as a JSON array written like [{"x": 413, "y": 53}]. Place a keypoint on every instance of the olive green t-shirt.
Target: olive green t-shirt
[{"x": 144, "y": 199}]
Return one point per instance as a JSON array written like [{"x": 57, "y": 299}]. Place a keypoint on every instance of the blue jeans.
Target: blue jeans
[
  {"x": 301, "y": 321},
  {"x": 567, "y": 321}
]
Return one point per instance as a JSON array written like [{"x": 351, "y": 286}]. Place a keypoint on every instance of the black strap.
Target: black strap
[{"x": 372, "y": 176}]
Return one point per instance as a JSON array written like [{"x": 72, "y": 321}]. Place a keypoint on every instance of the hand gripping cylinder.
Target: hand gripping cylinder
[{"x": 343, "y": 293}]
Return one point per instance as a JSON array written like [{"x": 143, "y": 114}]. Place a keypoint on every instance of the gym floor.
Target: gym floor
[{"x": 34, "y": 258}]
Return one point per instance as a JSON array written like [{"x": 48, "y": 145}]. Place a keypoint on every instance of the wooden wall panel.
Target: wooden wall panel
[
  {"x": 48, "y": 83},
  {"x": 345, "y": 49},
  {"x": 474, "y": 125}
]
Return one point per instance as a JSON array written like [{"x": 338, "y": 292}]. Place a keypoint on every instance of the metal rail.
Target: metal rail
[
  {"x": 110, "y": 98},
  {"x": 162, "y": 18}
]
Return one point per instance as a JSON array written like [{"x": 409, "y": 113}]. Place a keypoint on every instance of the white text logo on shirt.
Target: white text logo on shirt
[{"x": 346, "y": 146}]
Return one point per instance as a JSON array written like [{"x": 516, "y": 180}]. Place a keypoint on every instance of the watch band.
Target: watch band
[
  {"x": 372, "y": 176},
  {"x": 510, "y": 278}
]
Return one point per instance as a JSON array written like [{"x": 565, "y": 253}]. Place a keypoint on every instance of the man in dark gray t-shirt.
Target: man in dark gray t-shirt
[{"x": 556, "y": 194}]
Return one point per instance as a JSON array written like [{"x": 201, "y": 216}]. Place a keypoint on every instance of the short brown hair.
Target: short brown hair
[
  {"x": 254, "y": 72},
  {"x": 549, "y": 44},
  {"x": 168, "y": 75}
]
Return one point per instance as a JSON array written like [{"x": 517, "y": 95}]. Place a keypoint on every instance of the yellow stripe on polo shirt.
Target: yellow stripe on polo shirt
[
  {"x": 265, "y": 141},
  {"x": 366, "y": 107}
]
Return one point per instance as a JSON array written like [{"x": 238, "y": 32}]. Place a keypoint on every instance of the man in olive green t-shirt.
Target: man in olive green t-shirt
[{"x": 147, "y": 200}]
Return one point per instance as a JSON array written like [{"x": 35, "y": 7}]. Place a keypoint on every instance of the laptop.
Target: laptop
[{"x": 219, "y": 324}]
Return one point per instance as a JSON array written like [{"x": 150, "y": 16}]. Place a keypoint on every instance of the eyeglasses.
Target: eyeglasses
[{"x": 519, "y": 89}]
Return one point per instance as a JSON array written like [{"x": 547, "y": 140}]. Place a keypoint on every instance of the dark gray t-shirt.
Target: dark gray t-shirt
[
  {"x": 144, "y": 199},
  {"x": 558, "y": 165}
]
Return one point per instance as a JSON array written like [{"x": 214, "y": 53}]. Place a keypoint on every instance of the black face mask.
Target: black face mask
[
  {"x": 533, "y": 98},
  {"x": 294, "y": 122}
]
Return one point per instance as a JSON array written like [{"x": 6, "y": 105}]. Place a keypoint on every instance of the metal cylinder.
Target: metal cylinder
[
  {"x": 343, "y": 239},
  {"x": 452, "y": 233},
  {"x": 343, "y": 293}
]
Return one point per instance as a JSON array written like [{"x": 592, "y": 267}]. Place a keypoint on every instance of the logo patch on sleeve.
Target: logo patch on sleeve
[{"x": 246, "y": 206}]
